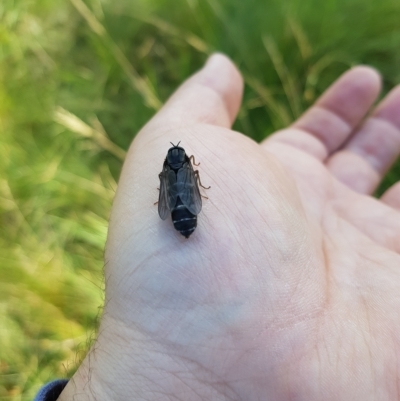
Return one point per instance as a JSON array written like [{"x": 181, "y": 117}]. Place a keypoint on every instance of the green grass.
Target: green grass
[{"x": 78, "y": 80}]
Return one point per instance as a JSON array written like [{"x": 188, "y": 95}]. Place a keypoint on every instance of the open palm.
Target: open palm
[{"x": 289, "y": 289}]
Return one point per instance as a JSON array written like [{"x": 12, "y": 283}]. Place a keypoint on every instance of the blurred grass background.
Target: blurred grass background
[{"x": 78, "y": 78}]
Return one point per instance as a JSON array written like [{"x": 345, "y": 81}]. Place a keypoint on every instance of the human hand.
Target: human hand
[{"x": 289, "y": 287}]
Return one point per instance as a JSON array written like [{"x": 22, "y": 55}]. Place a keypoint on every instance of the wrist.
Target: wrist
[{"x": 123, "y": 363}]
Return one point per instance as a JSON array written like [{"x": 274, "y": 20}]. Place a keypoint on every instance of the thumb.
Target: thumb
[{"x": 212, "y": 95}]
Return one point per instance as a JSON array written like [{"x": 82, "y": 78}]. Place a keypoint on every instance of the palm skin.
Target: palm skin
[{"x": 289, "y": 287}]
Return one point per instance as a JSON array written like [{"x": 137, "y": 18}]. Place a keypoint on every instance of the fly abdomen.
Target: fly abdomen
[{"x": 184, "y": 221}]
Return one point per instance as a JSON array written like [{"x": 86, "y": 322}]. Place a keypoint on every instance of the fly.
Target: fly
[{"x": 179, "y": 190}]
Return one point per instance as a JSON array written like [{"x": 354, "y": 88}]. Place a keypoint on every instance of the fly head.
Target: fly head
[{"x": 176, "y": 157}]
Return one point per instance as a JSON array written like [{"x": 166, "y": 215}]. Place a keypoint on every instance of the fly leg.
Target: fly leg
[
  {"x": 196, "y": 173},
  {"x": 155, "y": 203},
  {"x": 191, "y": 158}
]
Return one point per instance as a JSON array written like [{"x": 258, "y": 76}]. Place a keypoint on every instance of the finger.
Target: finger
[
  {"x": 328, "y": 124},
  {"x": 212, "y": 95},
  {"x": 392, "y": 196},
  {"x": 372, "y": 149}
]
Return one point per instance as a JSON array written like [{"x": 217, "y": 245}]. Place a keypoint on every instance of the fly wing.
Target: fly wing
[
  {"x": 168, "y": 193},
  {"x": 188, "y": 189},
  {"x": 172, "y": 189},
  {"x": 163, "y": 210}
]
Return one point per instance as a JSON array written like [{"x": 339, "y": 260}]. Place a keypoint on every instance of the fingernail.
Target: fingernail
[
  {"x": 215, "y": 61},
  {"x": 214, "y": 71}
]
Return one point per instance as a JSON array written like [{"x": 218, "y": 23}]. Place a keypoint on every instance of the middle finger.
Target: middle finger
[{"x": 372, "y": 149}]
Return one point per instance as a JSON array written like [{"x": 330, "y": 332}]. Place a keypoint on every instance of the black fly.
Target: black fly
[{"x": 179, "y": 190}]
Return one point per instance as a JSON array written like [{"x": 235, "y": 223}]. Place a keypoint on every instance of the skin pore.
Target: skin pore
[{"x": 289, "y": 287}]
